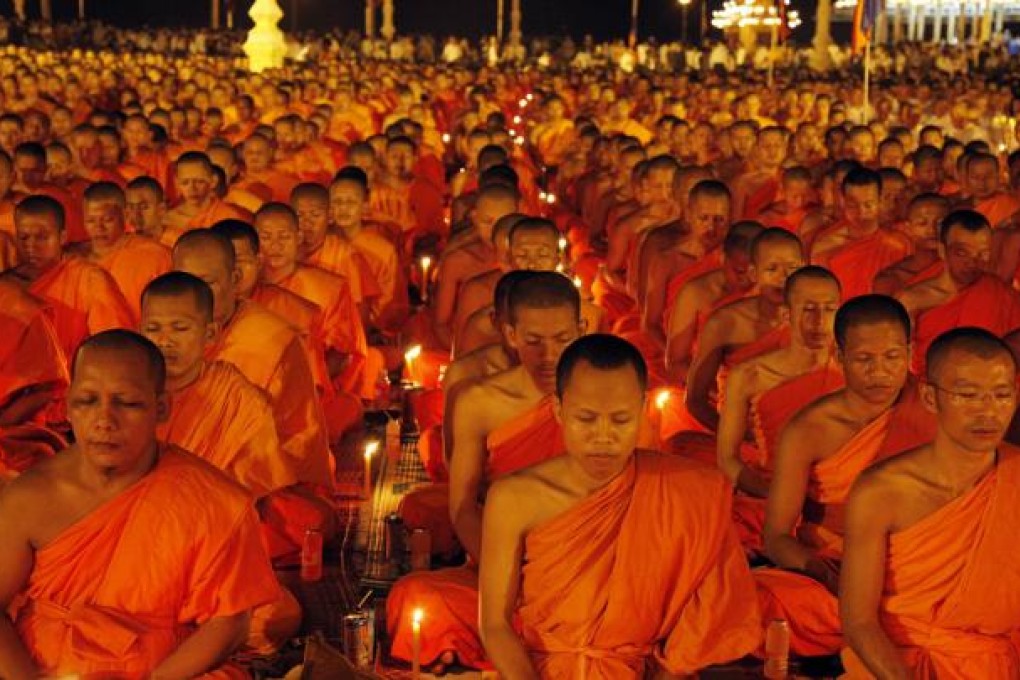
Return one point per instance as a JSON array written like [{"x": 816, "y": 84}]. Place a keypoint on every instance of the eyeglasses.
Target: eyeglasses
[{"x": 1003, "y": 398}]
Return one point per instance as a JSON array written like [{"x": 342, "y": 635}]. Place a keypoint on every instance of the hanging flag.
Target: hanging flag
[
  {"x": 865, "y": 17},
  {"x": 784, "y": 31}
]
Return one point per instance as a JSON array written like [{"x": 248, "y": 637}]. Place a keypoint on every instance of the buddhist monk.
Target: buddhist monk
[
  {"x": 700, "y": 295},
  {"x": 475, "y": 256},
  {"x": 498, "y": 425},
  {"x": 8, "y": 197},
  {"x": 756, "y": 189},
  {"x": 858, "y": 246},
  {"x": 923, "y": 593},
  {"x": 83, "y": 299},
  {"x": 200, "y": 207},
  {"x": 820, "y": 453},
  {"x": 569, "y": 610},
  {"x": 747, "y": 327},
  {"x": 924, "y": 213},
  {"x": 259, "y": 173},
  {"x": 145, "y": 206},
  {"x": 555, "y": 135},
  {"x": 811, "y": 297},
  {"x": 928, "y": 173},
  {"x": 794, "y": 202},
  {"x": 122, "y": 571},
  {"x": 131, "y": 259},
  {"x": 964, "y": 293},
  {"x": 266, "y": 350},
  {"x": 30, "y": 178},
  {"x": 981, "y": 180}
]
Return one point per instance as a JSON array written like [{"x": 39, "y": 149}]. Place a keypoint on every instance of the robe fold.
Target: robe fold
[
  {"x": 22, "y": 446},
  {"x": 594, "y": 606},
  {"x": 119, "y": 590},
  {"x": 30, "y": 351},
  {"x": 81, "y": 300},
  {"x": 857, "y": 263},
  {"x": 133, "y": 263},
  {"x": 998, "y": 208},
  {"x": 987, "y": 303},
  {"x": 951, "y": 598},
  {"x": 450, "y": 596},
  {"x": 812, "y": 611}
]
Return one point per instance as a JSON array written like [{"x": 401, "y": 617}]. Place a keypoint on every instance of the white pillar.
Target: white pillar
[
  {"x": 911, "y": 22},
  {"x": 388, "y": 30},
  {"x": 951, "y": 22},
  {"x": 1000, "y": 20},
  {"x": 515, "y": 23},
  {"x": 214, "y": 13},
  {"x": 46, "y": 9},
  {"x": 81, "y": 10},
  {"x": 986, "y": 23},
  {"x": 961, "y": 23},
  {"x": 499, "y": 22},
  {"x": 975, "y": 24},
  {"x": 370, "y": 19},
  {"x": 937, "y": 21},
  {"x": 820, "y": 59},
  {"x": 882, "y": 28},
  {"x": 897, "y": 30}
]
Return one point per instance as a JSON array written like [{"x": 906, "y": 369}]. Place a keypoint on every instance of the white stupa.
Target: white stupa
[{"x": 265, "y": 46}]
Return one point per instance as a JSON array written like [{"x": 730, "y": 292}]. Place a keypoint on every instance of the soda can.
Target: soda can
[
  {"x": 311, "y": 556},
  {"x": 359, "y": 639},
  {"x": 421, "y": 549}
]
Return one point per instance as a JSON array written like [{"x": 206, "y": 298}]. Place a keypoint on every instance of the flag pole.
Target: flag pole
[
  {"x": 772, "y": 56},
  {"x": 867, "y": 78}
]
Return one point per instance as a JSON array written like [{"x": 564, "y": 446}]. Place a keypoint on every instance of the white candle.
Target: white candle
[
  {"x": 426, "y": 262},
  {"x": 416, "y": 617},
  {"x": 661, "y": 399},
  {"x": 370, "y": 449},
  {"x": 410, "y": 365}
]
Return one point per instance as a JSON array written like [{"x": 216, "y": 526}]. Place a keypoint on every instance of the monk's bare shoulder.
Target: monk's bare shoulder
[
  {"x": 816, "y": 421},
  {"x": 660, "y": 238}
]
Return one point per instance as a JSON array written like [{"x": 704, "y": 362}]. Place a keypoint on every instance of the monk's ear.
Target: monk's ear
[
  {"x": 558, "y": 410},
  {"x": 510, "y": 335},
  {"x": 212, "y": 329},
  {"x": 752, "y": 274},
  {"x": 163, "y": 407},
  {"x": 927, "y": 391},
  {"x": 582, "y": 326}
]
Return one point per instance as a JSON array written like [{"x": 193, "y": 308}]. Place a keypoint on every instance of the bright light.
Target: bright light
[
  {"x": 517, "y": 120},
  {"x": 426, "y": 262},
  {"x": 416, "y": 616},
  {"x": 370, "y": 449},
  {"x": 661, "y": 398},
  {"x": 563, "y": 243},
  {"x": 550, "y": 198},
  {"x": 446, "y": 138},
  {"x": 578, "y": 282},
  {"x": 522, "y": 103},
  {"x": 530, "y": 97},
  {"x": 413, "y": 353}
]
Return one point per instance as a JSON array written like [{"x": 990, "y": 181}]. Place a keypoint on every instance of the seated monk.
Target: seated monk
[
  {"x": 686, "y": 248},
  {"x": 81, "y": 298},
  {"x": 270, "y": 354},
  {"x": 700, "y": 295},
  {"x": 858, "y": 246},
  {"x": 342, "y": 336},
  {"x": 821, "y": 452},
  {"x": 893, "y": 196},
  {"x": 476, "y": 293},
  {"x": 921, "y": 226},
  {"x": 376, "y": 257},
  {"x": 30, "y": 179},
  {"x": 924, "y": 592},
  {"x": 554, "y": 137},
  {"x": 8, "y": 197},
  {"x": 747, "y": 327},
  {"x": 810, "y": 300},
  {"x": 200, "y": 207},
  {"x": 131, "y": 259},
  {"x": 795, "y": 201},
  {"x": 568, "y": 611},
  {"x": 476, "y": 255},
  {"x": 757, "y": 188},
  {"x": 981, "y": 182},
  {"x": 122, "y": 572},
  {"x": 497, "y": 425},
  {"x": 145, "y": 207},
  {"x": 259, "y": 174},
  {"x": 964, "y": 293}
]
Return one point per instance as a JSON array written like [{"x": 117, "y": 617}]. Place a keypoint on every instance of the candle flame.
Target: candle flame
[
  {"x": 426, "y": 262},
  {"x": 550, "y": 199},
  {"x": 522, "y": 103},
  {"x": 661, "y": 398},
  {"x": 563, "y": 243},
  {"x": 412, "y": 353},
  {"x": 559, "y": 267},
  {"x": 370, "y": 449},
  {"x": 446, "y": 139},
  {"x": 577, "y": 281},
  {"x": 416, "y": 616}
]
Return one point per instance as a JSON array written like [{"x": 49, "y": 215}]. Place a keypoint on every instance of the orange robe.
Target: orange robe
[
  {"x": 338, "y": 255},
  {"x": 179, "y": 224},
  {"x": 951, "y": 599},
  {"x": 594, "y": 607},
  {"x": 269, "y": 353},
  {"x": 341, "y": 324},
  {"x": 22, "y": 446},
  {"x": 998, "y": 209},
  {"x": 987, "y": 303},
  {"x": 554, "y": 141},
  {"x": 74, "y": 220},
  {"x": 118, "y": 591},
  {"x": 376, "y": 260},
  {"x": 450, "y": 596},
  {"x": 81, "y": 300},
  {"x": 280, "y": 184},
  {"x": 30, "y": 351},
  {"x": 857, "y": 263},
  {"x": 764, "y": 194},
  {"x": 810, "y": 609},
  {"x": 133, "y": 263},
  {"x": 770, "y": 412}
]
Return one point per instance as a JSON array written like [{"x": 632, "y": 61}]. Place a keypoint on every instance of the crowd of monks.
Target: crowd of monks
[{"x": 689, "y": 355}]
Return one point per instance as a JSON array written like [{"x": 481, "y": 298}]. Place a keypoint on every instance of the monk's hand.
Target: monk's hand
[{"x": 825, "y": 571}]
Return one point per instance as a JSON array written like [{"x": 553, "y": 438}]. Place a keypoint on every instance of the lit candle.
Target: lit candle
[
  {"x": 661, "y": 399},
  {"x": 563, "y": 244},
  {"x": 411, "y": 365},
  {"x": 416, "y": 617},
  {"x": 446, "y": 138},
  {"x": 426, "y": 262},
  {"x": 578, "y": 282},
  {"x": 550, "y": 198},
  {"x": 370, "y": 449},
  {"x": 522, "y": 103}
]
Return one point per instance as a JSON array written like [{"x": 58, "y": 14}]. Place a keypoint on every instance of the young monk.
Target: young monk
[
  {"x": 579, "y": 519},
  {"x": 132, "y": 260},
  {"x": 259, "y": 175},
  {"x": 200, "y": 207},
  {"x": 754, "y": 190},
  {"x": 964, "y": 293},
  {"x": 266, "y": 350},
  {"x": 820, "y": 453},
  {"x": 700, "y": 295},
  {"x": 858, "y": 246},
  {"x": 981, "y": 184},
  {"x": 746, "y": 327},
  {"x": 922, "y": 591},
  {"x": 810, "y": 299},
  {"x": 124, "y": 573},
  {"x": 475, "y": 256},
  {"x": 498, "y": 425},
  {"x": 924, "y": 213},
  {"x": 795, "y": 201},
  {"x": 83, "y": 298},
  {"x": 145, "y": 206}
]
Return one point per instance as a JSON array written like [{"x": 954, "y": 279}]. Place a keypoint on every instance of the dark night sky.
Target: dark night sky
[{"x": 602, "y": 18}]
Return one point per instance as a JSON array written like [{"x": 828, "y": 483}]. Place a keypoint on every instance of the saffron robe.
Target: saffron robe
[
  {"x": 133, "y": 263},
  {"x": 857, "y": 263}
]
